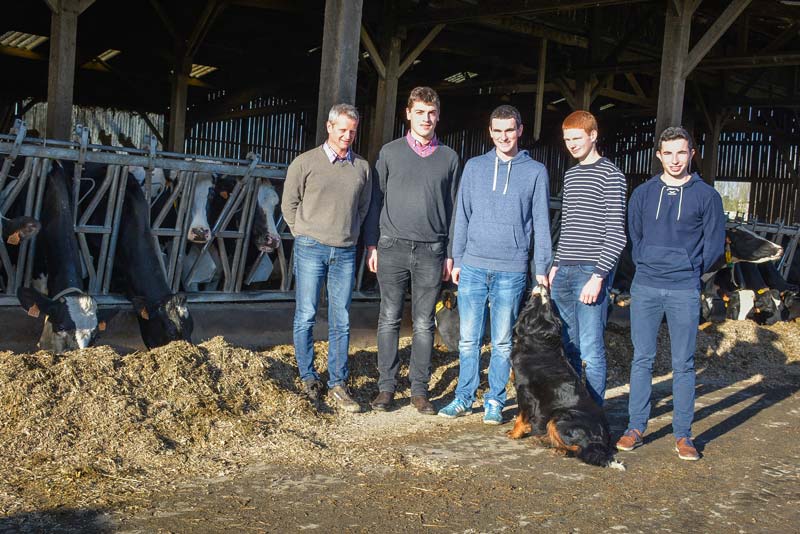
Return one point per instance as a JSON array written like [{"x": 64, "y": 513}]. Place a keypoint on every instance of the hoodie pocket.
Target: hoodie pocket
[
  {"x": 495, "y": 241},
  {"x": 664, "y": 260}
]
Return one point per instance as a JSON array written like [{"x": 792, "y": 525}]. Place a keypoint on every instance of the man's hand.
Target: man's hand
[
  {"x": 541, "y": 279},
  {"x": 591, "y": 290},
  {"x": 372, "y": 259},
  {"x": 455, "y": 275},
  {"x": 446, "y": 269},
  {"x": 552, "y": 275}
]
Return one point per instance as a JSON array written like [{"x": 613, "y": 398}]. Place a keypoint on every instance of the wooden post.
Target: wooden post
[
  {"x": 339, "y": 67},
  {"x": 61, "y": 77},
  {"x": 537, "y": 116},
  {"x": 711, "y": 158},
  {"x": 178, "y": 102},
  {"x": 386, "y": 101}
]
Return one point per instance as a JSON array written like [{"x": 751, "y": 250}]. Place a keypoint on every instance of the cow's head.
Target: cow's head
[
  {"x": 265, "y": 232},
  {"x": 19, "y": 229},
  {"x": 199, "y": 228},
  {"x": 163, "y": 321},
  {"x": 70, "y": 321},
  {"x": 750, "y": 247}
]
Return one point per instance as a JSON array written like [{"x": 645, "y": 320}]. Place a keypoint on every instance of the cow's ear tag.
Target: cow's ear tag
[
  {"x": 33, "y": 311},
  {"x": 13, "y": 239},
  {"x": 224, "y": 194},
  {"x": 101, "y": 326},
  {"x": 143, "y": 314}
]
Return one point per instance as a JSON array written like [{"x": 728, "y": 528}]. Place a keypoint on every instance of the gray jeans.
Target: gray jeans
[{"x": 401, "y": 262}]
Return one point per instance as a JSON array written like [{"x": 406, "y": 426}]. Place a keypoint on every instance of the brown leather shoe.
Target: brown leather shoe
[
  {"x": 383, "y": 402},
  {"x": 630, "y": 440},
  {"x": 423, "y": 405},
  {"x": 343, "y": 399},
  {"x": 686, "y": 449}
]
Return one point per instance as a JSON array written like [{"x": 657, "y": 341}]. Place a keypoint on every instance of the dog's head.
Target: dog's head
[{"x": 539, "y": 318}]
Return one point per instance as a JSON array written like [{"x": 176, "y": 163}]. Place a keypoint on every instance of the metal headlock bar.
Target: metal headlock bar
[{"x": 98, "y": 211}]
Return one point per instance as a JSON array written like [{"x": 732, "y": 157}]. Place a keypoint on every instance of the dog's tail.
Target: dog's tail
[{"x": 600, "y": 455}]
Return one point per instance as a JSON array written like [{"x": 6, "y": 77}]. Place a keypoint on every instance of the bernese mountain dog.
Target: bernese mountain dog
[{"x": 554, "y": 405}]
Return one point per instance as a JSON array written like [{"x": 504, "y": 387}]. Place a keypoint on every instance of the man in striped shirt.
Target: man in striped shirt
[{"x": 592, "y": 238}]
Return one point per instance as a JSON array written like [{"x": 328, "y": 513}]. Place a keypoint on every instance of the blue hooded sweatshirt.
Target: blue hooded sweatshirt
[
  {"x": 501, "y": 205},
  {"x": 677, "y": 233}
]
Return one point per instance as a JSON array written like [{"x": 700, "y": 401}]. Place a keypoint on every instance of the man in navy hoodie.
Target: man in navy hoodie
[
  {"x": 677, "y": 231},
  {"x": 502, "y": 204}
]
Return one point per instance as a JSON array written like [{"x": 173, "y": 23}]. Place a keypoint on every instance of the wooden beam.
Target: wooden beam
[
  {"x": 631, "y": 77},
  {"x": 776, "y": 44},
  {"x": 374, "y": 55},
  {"x": 785, "y": 59},
  {"x": 539, "y": 110},
  {"x": 672, "y": 83},
  {"x": 630, "y": 98},
  {"x": 304, "y": 7},
  {"x": 84, "y": 5},
  {"x": 61, "y": 76},
  {"x": 209, "y": 14},
  {"x": 712, "y": 35},
  {"x": 566, "y": 92},
  {"x": 165, "y": 19},
  {"x": 524, "y": 27},
  {"x": 414, "y": 54},
  {"x": 495, "y": 8},
  {"x": 339, "y": 62},
  {"x": 176, "y": 139},
  {"x": 386, "y": 101}
]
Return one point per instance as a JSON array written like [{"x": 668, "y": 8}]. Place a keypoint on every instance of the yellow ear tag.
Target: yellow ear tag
[
  {"x": 439, "y": 306},
  {"x": 13, "y": 239}
]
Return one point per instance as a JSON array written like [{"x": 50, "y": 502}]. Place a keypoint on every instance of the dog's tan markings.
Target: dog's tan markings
[
  {"x": 557, "y": 441},
  {"x": 13, "y": 239},
  {"x": 522, "y": 426}
]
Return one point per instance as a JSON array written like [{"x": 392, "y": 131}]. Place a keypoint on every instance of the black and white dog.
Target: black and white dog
[{"x": 554, "y": 405}]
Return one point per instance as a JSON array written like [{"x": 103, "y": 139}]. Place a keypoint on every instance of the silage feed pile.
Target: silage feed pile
[
  {"x": 96, "y": 428},
  {"x": 79, "y": 427}
]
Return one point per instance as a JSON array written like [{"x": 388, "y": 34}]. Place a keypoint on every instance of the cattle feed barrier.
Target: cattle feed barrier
[{"x": 108, "y": 195}]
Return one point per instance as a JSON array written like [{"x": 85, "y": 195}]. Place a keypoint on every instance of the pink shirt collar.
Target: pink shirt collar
[{"x": 422, "y": 151}]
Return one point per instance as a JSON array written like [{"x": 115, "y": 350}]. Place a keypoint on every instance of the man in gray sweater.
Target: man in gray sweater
[
  {"x": 408, "y": 234},
  {"x": 325, "y": 200}
]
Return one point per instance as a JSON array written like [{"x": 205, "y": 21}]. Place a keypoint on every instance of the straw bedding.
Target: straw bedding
[{"x": 96, "y": 427}]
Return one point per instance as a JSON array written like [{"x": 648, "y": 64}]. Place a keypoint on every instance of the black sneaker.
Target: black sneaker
[
  {"x": 313, "y": 390},
  {"x": 342, "y": 398}
]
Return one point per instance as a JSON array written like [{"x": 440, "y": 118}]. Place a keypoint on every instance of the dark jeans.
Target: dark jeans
[{"x": 401, "y": 262}]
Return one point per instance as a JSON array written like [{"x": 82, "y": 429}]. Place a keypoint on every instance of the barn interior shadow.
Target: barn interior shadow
[
  {"x": 779, "y": 381},
  {"x": 62, "y": 520}
]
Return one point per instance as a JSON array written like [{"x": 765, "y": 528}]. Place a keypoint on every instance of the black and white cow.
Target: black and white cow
[
  {"x": 71, "y": 318},
  {"x": 163, "y": 316}
]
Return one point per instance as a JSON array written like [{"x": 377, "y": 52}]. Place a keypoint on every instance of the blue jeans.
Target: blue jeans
[
  {"x": 649, "y": 305},
  {"x": 503, "y": 291},
  {"x": 583, "y": 325},
  {"x": 313, "y": 264}
]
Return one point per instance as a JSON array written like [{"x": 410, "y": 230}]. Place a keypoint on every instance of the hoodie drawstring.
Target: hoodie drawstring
[
  {"x": 508, "y": 175},
  {"x": 661, "y": 196}
]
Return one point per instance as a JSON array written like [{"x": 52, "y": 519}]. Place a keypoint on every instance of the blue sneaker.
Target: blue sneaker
[
  {"x": 492, "y": 413},
  {"x": 457, "y": 408}
]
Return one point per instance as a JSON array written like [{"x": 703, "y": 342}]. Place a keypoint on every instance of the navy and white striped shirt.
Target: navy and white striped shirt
[{"x": 593, "y": 217}]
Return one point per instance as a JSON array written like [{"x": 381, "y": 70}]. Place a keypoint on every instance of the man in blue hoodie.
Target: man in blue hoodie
[
  {"x": 677, "y": 230},
  {"x": 502, "y": 205}
]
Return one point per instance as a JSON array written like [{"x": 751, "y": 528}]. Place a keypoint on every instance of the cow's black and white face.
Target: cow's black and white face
[
  {"x": 265, "y": 231},
  {"x": 163, "y": 322},
  {"x": 199, "y": 228},
  {"x": 747, "y": 246},
  {"x": 70, "y": 322}
]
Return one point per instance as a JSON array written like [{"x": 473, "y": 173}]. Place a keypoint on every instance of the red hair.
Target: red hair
[{"x": 580, "y": 119}]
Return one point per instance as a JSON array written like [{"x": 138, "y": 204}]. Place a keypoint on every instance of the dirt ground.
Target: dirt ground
[{"x": 404, "y": 472}]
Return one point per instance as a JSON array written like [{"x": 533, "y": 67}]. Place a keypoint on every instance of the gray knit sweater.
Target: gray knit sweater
[
  {"x": 413, "y": 197},
  {"x": 326, "y": 201}
]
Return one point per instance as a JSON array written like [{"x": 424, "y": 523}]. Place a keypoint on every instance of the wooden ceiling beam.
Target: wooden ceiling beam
[{"x": 495, "y": 8}]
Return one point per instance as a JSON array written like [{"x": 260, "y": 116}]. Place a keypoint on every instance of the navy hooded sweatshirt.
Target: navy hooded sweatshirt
[
  {"x": 502, "y": 211},
  {"x": 677, "y": 232}
]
